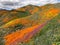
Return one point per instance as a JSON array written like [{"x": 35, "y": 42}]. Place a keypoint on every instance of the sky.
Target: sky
[{"x": 13, "y": 4}]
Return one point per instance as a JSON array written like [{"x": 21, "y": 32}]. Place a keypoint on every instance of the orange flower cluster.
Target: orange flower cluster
[
  {"x": 34, "y": 10},
  {"x": 19, "y": 36}
]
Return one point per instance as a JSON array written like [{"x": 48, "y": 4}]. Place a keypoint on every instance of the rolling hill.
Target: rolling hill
[{"x": 30, "y": 25}]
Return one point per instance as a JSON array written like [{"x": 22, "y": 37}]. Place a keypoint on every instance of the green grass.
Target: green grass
[{"x": 21, "y": 14}]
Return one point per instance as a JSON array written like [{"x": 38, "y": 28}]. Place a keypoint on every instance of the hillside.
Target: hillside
[{"x": 30, "y": 25}]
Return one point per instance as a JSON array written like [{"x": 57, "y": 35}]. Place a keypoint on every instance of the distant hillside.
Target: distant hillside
[{"x": 23, "y": 12}]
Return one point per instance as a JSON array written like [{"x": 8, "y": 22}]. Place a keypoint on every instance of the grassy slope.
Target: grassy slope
[
  {"x": 50, "y": 34},
  {"x": 42, "y": 38}
]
